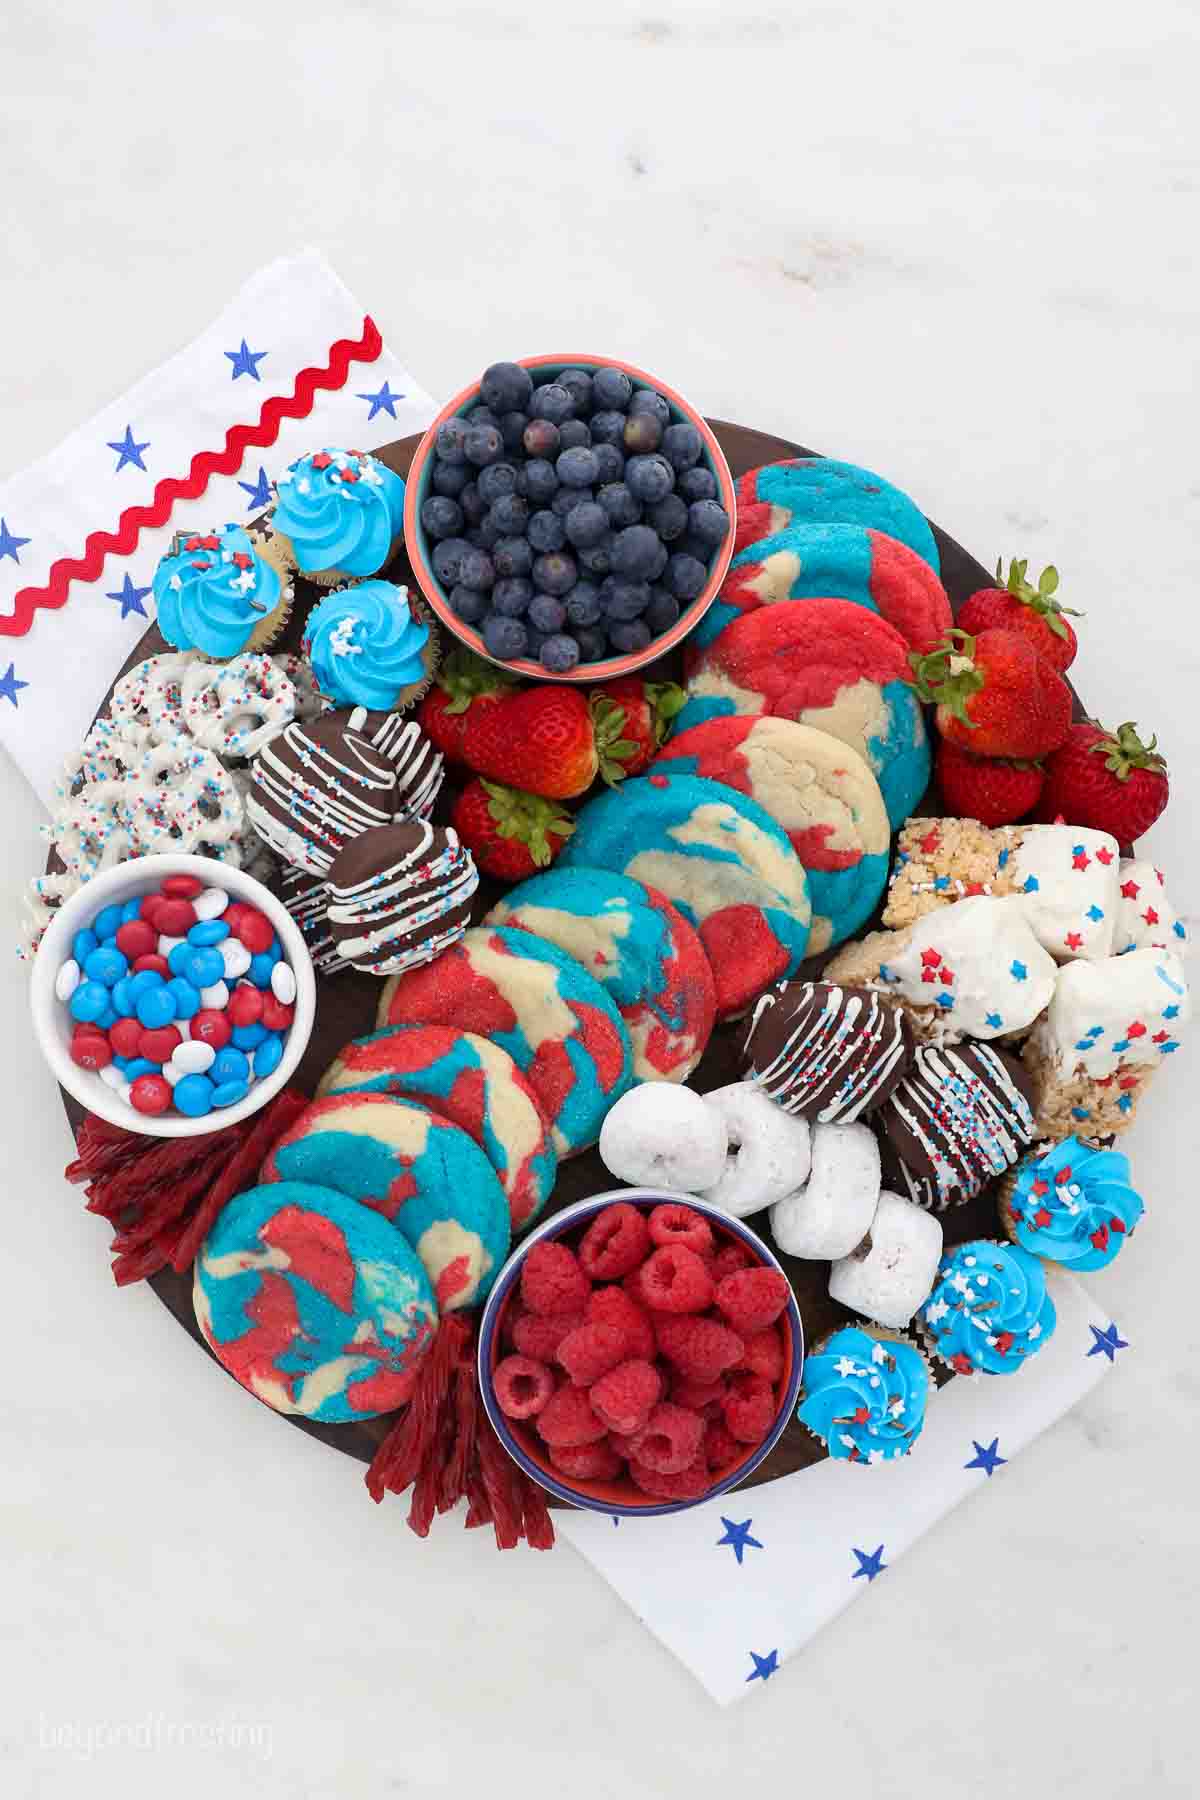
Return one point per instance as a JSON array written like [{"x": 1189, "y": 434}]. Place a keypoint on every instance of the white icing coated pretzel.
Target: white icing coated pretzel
[{"x": 235, "y": 708}]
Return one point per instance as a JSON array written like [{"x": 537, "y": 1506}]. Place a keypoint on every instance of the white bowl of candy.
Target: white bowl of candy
[{"x": 173, "y": 996}]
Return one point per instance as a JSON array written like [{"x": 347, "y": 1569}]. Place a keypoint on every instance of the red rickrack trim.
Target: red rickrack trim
[{"x": 204, "y": 465}]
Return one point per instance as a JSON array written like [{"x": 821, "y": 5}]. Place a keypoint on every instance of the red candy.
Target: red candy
[
  {"x": 674, "y": 1280},
  {"x": 137, "y": 937},
  {"x": 157, "y": 1046},
  {"x": 175, "y": 918},
  {"x": 669, "y": 1440},
  {"x": 245, "y": 1005},
  {"x": 233, "y": 912},
  {"x": 253, "y": 929},
  {"x": 699, "y": 1348},
  {"x": 675, "y": 1224},
  {"x": 158, "y": 963},
  {"x": 125, "y": 1036},
  {"x": 625, "y": 1397},
  {"x": 753, "y": 1299},
  {"x": 150, "y": 1094},
  {"x": 616, "y": 1241},
  {"x": 275, "y": 1015},
  {"x": 91, "y": 1050},
  {"x": 551, "y": 1281},
  {"x": 522, "y": 1386},
  {"x": 539, "y": 1336},
  {"x": 591, "y": 1351},
  {"x": 567, "y": 1418},
  {"x": 211, "y": 1027},
  {"x": 182, "y": 887},
  {"x": 149, "y": 910}
]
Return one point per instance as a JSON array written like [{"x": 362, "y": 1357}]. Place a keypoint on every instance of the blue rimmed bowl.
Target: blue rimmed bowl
[{"x": 519, "y": 1437}]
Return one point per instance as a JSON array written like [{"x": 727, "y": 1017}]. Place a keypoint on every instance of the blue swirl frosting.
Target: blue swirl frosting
[
  {"x": 865, "y": 1396},
  {"x": 365, "y": 645},
  {"x": 341, "y": 509},
  {"x": 1074, "y": 1204},
  {"x": 212, "y": 589},
  {"x": 989, "y": 1309}
]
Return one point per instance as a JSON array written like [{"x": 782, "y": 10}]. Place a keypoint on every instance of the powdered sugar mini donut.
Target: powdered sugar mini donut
[
  {"x": 660, "y": 1135},
  {"x": 818, "y": 490},
  {"x": 424, "y": 1174},
  {"x": 892, "y": 1271},
  {"x": 847, "y": 562},
  {"x": 554, "y": 1019},
  {"x": 819, "y": 790},
  {"x": 769, "y": 1152},
  {"x": 313, "y": 1302},
  {"x": 638, "y": 947},
  {"x": 832, "y": 1213},
  {"x": 471, "y": 1082}
]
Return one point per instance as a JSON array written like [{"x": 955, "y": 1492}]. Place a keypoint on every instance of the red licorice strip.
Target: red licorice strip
[{"x": 240, "y": 1172}]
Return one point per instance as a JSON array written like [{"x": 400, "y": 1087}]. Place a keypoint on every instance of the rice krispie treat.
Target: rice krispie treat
[{"x": 942, "y": 860}]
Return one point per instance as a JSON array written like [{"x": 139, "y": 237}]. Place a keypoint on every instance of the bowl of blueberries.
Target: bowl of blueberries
[{"x": 570, "y": 518}]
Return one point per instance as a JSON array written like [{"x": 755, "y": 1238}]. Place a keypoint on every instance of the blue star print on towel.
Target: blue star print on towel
[
  {"x": 869, "y": 1565},
  {"x": 245, "y": 361},
  {"x": 130, "y": 598},
  {"x": 987, "y": 1460},
  {"x": 1108, "y": 1342},
  {"x": 127, "y": 451},
  {"x": 764, "y": 1666},
  {"x": 383, "y": 401},
  {"x": 259, "y": 491},
  {"x": 737, "y": 1536}
]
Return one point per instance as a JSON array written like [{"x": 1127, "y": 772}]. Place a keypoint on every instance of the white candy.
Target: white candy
[
  {"x": 831, "y": 1215},
  {"x": 113, "y": 1077},
  {"x": 216, "y": 996},
  {"x": 769, "y": 1150},
  {"x": 211, "y": 903},
  {"x": 171, "y": 1074},
  {"x": 67, "y": 979},
  {"x": 892, "y": 1271},
  {"x": 193, "y": 1058},
  {"x": 661, "y": 1135},
  {"x": 125, "y": 1091},
  {"x": 183, "y": 1027},
  {"x": 235, "y": 956},
  {"x": 167, "y": 944},
  {"x": 283, "y": 984},
  {"x": 979, "y": 963}
]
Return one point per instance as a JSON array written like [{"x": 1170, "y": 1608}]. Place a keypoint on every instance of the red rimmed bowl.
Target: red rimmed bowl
[
  {"x": 520, "y": 1439},
  {"x": 419, "y": 547}
]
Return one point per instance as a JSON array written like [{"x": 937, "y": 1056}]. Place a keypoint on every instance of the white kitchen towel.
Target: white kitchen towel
[
  {"x": 291, "y": 364},
  {"x": 736, "y": 1586}
]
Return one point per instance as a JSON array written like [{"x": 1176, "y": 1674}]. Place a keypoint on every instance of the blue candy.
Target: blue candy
[
  {"x": 155, "y": 1007},
  {"x": 194, "y": 1095},
  {"x": 274, "y": 950},
  {"x": 123, "y": 999},
  {"x": 179, "y": 960},
  {"x": 186, "y": 997},
  {"x": 260, "y": 969},
  {"x": 141, "y": 1065},
  {"x": 268, "y": 1056},
  {"x": 229, "y": 1064},
  {"x": 208, "y": 932},
  {"x": 249, "y": 1037},
  {"x": 107, "y": 922},
  {"x": 88, "y": 1002},
  {"x": 106, "y": 964},
  {"x": 122, "y": 1062},
  {"x": 131, "y": 910},
  {"x": 143, "y": 981},
  {"x": 228, "y": 1093},
  {"x": 206, "y": 968},
  {"x": 83, "y": 944},
  {"x": 108, "y": 1017}
]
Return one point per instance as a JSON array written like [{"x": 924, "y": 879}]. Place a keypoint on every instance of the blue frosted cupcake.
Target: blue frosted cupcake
[
  {"x": 341, "y": 514},
  {"x": 989, "y": 1311},
  {"x": 864, "y": 1395},
  {"x": 1071, "y": 1203},
  {"x": 371, "y": 646},
  {"x": 221, "y": 592}
]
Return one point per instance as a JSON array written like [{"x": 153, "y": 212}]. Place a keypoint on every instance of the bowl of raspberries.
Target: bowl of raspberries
[
  {"x": 569, "y": 517},
  {"x": 640, "y": 1352}
]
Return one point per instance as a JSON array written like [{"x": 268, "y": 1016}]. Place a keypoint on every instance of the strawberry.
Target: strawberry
[
  {"x": 510, "y": 834},
  {"x": 631, "y": 718},
  {"x": 994, "y": 694},
  {"x": 539, "y": 739},
  {"x": 1108, "y": 780},
  {"x": 993, "y": 790},
  {"x": 464, "y": 682},
  {"x": 1031, "y": 611}
]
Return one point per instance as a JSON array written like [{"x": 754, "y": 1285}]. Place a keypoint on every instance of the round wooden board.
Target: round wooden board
[{"x": 347, "y": 1004}]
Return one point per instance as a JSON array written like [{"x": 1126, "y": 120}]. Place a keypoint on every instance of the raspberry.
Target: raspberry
[
  {"x": 720, "y": 1446},
  {"x": 586, "y": 1462},
  {"x": 567, "y": 1419},
  {"x": 622, "y": 1446},
  {"x": 539, "y": 1337},
  {"x": 613, "y": 1306},
  {"x": 616, "y": 1241},
  {"x": 591, "y": 1350},
  {"x": 700, "y": 1348},
  {"x": 508, "y": 1321},
  {"x": 522, "y": 1386},
  {"x": 764, "y": 1353},
  {"x": 749, "y": 1407},
  {"x": 752, "y": 1299},
  {"x": 669, "y": 1439},
  {"x": 729, "y": 1259},
  {"x": 625, "y": 1396},
  {"x": 691, "y": 1484},
  {"x": 552, "y": 1281},
  {"x": 674, "y": 1280},
  {"x": 675, "y": 1224},
  {"x": 705, "y": 1397}
]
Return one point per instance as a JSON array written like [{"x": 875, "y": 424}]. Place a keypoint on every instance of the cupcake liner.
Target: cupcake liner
[
  {"x": 431, "y": 657},
  {"x": 274, "y": 552},
  {"x": 332, "y": 578}
]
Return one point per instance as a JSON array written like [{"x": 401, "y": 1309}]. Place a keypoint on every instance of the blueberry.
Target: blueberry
[
  {"x": 643, "y": 434},
  {"x": 574, "y": 435},
  {"x": 586, "y": 524},
  {"x": 662, "y": 612},
  {"x": 469, "y": 605},
  {"x": 649, "y": 478},
  {"x": 503, "y": 637},
  {"x": 477, "y": 570},
  {"x": 682, "y": 446},
  {"x": 545, "y": 532},
  {"x": 568, "y": 498},
  {"x": 619, "y": 505},
  {"x": 625, "y": 599},
  {"x": 608, "y": 428},
  {"x": 506, "y": 387},
  {"x": 559, "y": 654},
  {"x": 635, "y": 552},
  {"x": 577, "y": 468},
  {"x": 541, "y": 483},
  {"x": 476, "y": 539},
  {"x": 610, "y": 464},
  {"x": 696, "y": 484},
  {"x": 597, "y": 559},
  {"x": 708, "y": 522},
  {"x": 547, "y": 614},
  {"x": 512, "y": 556},
  {"x": 551, "y": 402},
  {"x": 659, "y": 563},
  {"x": 449, "y": 478},
  {"x": 511, "y": 596},
  {"x": 593, "y": 643},
  {"x": 555, "y": 573},
  {"x": 451, "y": 440},
  {"x": 669, "y": 518},
  {"x": 646, "y": 400},
  {"x": 483, "y": 415},
  {"x": 512, "y": 430},
  {"x": 612, "y": 389},
  {"x": 447, "y": 559},
  {"x": 688, "y": 545},
  {"x": 578, "y": 384},
  {"x": 441, "y": 518},
  {"x": 510, "y": 514},
  {"x": 499, "y": 478},
  {"x": 540, "y": 438},
  {"x": 483, "y": 444},
  {"x": 686, "y": 575},
  {"x": 490, "y": 531},
  {"x": 583, "y": 604},
  {"x": 628, "y": 635},
  {"x": 472, "y": 504},
  {"x": 535, "y": 639}
]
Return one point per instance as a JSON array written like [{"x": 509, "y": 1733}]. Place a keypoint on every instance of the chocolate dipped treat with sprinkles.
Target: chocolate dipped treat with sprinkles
[
  {"x": 399, "y": 896},
  {"x": 306, "y": 898},
  {"x": 420, "y": 769},
  {"x": 317, "y": 786},
  {"x": 961, "y": 1116},
  {"x": 827, "y": 1053}
]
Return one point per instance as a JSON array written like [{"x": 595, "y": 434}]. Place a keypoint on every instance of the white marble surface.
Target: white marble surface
[{"x": 954, "y": 243}]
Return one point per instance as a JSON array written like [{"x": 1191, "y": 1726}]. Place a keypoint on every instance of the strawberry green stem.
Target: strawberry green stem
[
  {"x": 947, "y": 676},
  {"x": 1123, "y": 751}
]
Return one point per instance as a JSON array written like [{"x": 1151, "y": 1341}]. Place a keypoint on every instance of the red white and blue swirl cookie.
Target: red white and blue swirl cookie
[
  {"x": 816, "y": 489},
  {"x": 313, "y": 1302}
]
